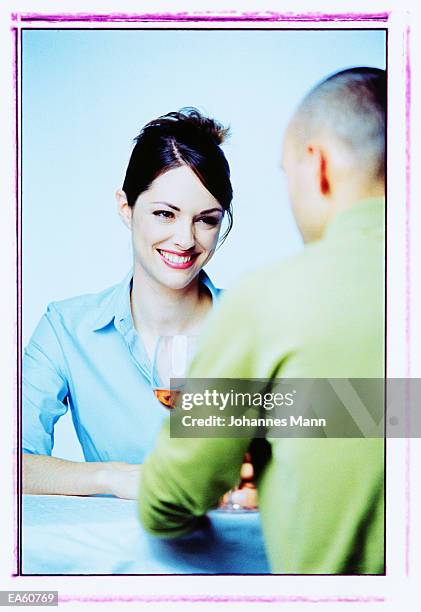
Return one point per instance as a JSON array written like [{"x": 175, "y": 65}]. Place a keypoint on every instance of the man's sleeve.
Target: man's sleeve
[
  {"x": 184, "y": 477},
  {"x": 44, "y": 386}
]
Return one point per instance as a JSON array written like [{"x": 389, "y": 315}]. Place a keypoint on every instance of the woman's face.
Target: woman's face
[{"x": 175, "y": 226}]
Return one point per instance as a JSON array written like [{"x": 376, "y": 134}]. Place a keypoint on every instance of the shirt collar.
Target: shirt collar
[
  {"x": 117, "y": 308},
  {"x": 117, "y": 305},
  {"x": 366, "y": 215},
  {"x": 204, "y": 278}
]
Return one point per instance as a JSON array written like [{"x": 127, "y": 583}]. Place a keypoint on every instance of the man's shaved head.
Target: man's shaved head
[
  {"x": 349, "y": 106},
  {"x": 334, "y": 147}
]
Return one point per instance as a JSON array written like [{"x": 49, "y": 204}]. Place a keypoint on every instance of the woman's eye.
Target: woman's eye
[
  {"x": 212, "y": 221},
  {"x": 163, "y": 214}
]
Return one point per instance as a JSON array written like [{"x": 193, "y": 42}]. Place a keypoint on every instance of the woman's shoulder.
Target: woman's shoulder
[{"x": 87, "y": 309}]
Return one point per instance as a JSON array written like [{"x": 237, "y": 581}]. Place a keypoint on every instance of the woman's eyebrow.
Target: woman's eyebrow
[
  {"x": 167, "y": 204},
  {"x": 202, "y": 212},
  {"x": 209, "y": 210}
]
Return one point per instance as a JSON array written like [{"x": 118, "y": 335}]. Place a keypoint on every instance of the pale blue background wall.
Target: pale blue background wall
[{"x": 86, "y": 94}]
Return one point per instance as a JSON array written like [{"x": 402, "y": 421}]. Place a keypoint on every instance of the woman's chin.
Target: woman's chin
[{"x": 178, "y": 279}]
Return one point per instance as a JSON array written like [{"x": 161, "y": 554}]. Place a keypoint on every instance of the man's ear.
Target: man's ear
[
  {"x": 321, "y": 164},
  {"x": 124, "y": 210}
]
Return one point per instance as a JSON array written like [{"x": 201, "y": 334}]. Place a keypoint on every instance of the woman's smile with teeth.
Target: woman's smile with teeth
[{"x": 176, "y": 259}]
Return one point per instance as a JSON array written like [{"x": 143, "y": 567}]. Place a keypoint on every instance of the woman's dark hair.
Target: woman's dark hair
[{"x": 176, "y": 139}]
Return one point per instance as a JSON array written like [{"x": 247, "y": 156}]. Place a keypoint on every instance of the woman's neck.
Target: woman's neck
[{"x": 161, "y": 311}]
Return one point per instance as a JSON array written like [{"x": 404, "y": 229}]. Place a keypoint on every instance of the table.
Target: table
[{"x": 102, "y": 535}]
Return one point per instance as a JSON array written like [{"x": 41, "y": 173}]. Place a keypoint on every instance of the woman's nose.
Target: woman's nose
[{"x": 184, "y": 236}]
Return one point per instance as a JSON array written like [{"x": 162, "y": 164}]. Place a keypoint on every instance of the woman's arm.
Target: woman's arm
[
  {"x": 45, "y": 475},
  {"x": 45, "y": 393}
]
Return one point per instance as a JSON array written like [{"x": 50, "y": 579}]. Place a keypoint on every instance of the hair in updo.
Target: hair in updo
[{"x": 183, "y": 138}]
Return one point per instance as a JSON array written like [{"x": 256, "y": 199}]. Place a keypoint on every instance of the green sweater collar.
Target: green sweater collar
[{"x": 368, "y": 214}]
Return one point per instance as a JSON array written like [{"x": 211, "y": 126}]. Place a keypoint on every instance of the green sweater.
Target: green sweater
[{"x": 319, "y": 314}]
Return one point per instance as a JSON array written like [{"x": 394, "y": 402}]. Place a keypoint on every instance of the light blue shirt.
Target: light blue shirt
[{"x": 86, "y": 354}]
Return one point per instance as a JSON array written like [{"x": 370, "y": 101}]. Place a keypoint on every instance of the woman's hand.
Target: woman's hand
[{"x": 120, "y": 479}]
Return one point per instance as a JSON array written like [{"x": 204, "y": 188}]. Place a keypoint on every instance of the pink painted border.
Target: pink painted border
[
  {"x": 408, "y": 291},
  {"x": 16, "y": 470},
  {"x": 220, "y": 599},
  {"x": 27, "y": 18},
  {"x": 206, "y": 16}
]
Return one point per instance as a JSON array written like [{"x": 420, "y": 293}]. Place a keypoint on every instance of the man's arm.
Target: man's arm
[{"x": 184, "y": 477}]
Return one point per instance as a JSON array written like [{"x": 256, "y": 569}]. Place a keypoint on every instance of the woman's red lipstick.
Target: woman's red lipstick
[{"x": 177, "y": 260}]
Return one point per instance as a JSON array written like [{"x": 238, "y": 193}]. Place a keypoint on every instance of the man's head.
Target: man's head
[{"x": 334, "y": 148}]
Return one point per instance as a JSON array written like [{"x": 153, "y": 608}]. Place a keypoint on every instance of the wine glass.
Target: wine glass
[{"x": 172, "y": 358}]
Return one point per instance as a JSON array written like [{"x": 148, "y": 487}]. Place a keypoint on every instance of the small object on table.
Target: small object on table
[{"x": 243, "y": 497}]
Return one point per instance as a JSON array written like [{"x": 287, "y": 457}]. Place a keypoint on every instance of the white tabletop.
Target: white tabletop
[{"x": 102, "y": 535}]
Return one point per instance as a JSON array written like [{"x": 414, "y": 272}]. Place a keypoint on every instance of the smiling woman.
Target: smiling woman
[
  {"x": 176, "y": 219},
  {"x": 93, "y": 353}
]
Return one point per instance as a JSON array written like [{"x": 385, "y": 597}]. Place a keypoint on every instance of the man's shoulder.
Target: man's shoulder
[
  {"x": 274, "y": 278},
  {"x": 319, "y": 275}
]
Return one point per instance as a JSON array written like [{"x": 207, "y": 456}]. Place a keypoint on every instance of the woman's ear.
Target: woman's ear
[{"x": 124, "y": 210}]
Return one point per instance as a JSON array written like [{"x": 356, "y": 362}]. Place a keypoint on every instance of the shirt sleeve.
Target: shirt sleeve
[
  {"x": 184, "y": 477},
  {"x": 44, "y": 386}
]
